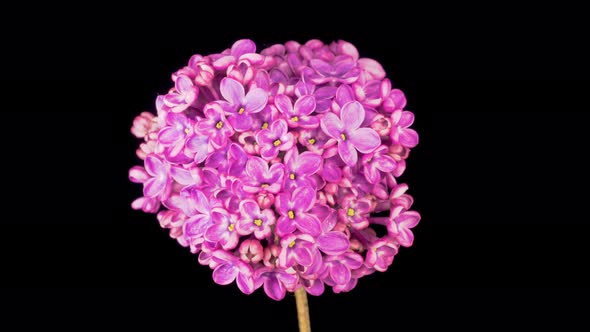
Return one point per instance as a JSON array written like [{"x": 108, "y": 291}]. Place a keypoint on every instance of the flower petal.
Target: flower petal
[
  {"x": 303, "y": 198},
  {"x": 250, "y": 208},
  {"x": 256, "y": 100},
  {"x": 333, "y": 243},
  {"x": 406, "y": 119},
  {"x": 225, "y": 274},
  {"x": 137, "y": 174},
  {"x": 303, "y": 256},
  {"x": 153, "y": 187},
  {"x": 408, "y": 137},
  {"x": 331, "y": 125},
  {"x": 309, "y": 163},
  {"x": 308, "y": 224},
  {"x": 385, "y": 163},
  {"x": 274, "y": 288},
  {"x": 245, "y": 284},
  {"x": 348, "y": 153},
  {"x": 364, "y": 139},
  {"x": 284, "y": 104},
  {"x": 340, "y": 273},
  {"x": 285, "y": 226},
  {"x": 232, "y": 91},
  {"x": 305, "y": 105},
  {"x": 181, "y": 175},
  {"x": 242, "y": 47},
  {"x": 257, "y": 168},
  {"x": 169, "y": 135},
  {"x": 279, "y": 127},
  {"x": 352, "y": 115}
]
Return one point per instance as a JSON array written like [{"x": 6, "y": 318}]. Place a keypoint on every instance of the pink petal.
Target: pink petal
[
  {"x": 274, "y": 288},
  {"x": 243, "y": 46},
  {"x": 385, "y": 163},
  {"x": 285, "y": 226},
  {"x": 352, "y": 115},
  {"x": 333, "y": 243},
  {"x": 282, "y": 203},
  {"x": 137, "y": 174},
  {"x": 245, "y": 284},
  {"x": 169, "y": 135},
  {"x": 284, "y": 104},
  {"x": 372, "y": 174},
  {"x": 181, "y": 175},
  {"x": 232, "y": 91},
  {"x": 256, "y": 100},
  {"x": 223, "y": 62},
  {"x": 344, "y": 94},
  {"x": 153, "y": 187},
  {"x": 348, "y": 153},
  {"x": 364, "y": 139},
  {"x": 340, "y": 273},
  {"x": 256, "y": 167},
  {"x": 308, "y": 224},
  {"x": 406, "y": 119},
  {"x": 408, "y": 219},
  {"x": 225, "y": 274},
  {"x": 331, "y": 125},
  {"x": 321, "y": 66},
  {"x": 408, "y": 137},
  {"x": 372, "y": 67},
  {"x": 249, "y": 208},
  {"x": 309, "y": 163},
  {"x": 184, "y": 84},
  {"x": 279, "y": 127},
  {"x": 303, "y": 256},
  {"x": 304, "y": 198},
  {"x": 305, "y": 105}
]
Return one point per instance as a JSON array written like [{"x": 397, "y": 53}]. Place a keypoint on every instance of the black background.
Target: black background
[{"x": 498, "y": 175}]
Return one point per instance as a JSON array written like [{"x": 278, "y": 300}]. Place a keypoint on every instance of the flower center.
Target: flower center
[
  {"x": 219, "y": 124},
  {"x": 292, "y": 176},
  {"x": 343, "y": 136},
  {"x": 291, "y": 214},
  {"x": 311, "y": 141},
  {"x": 292, "y": 244},
  {"x": 241, "y": 110},
  {"x": 277, "y": 142},
  {"x": 264, "y": 185},
  {"x": 264, "y": 125},
  {"x": 258, "y": 222},
  {"x": 350, "y": 212},
  {"x": 295, "y": 119},
  {"x": 231, "y": 227},
  {"x": 186, "y": 131}
]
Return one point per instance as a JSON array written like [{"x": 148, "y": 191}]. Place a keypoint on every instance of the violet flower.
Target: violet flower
[
  {"x": 215, "y": 126},
  {"x": 376, "y": 162},
  {"x": 253, "y": 220},
  {"x": 298, "y": 115},
  {"x": 239, "y": 105},
  {"x": 231, "y": 268},
  {"x": 274, "y": 139},
  {"x": 400, "y": 132},
  {"x": 263, "y": 178},
  {"x": 300, "y": 168},
  {"x": 183, "y": 96},
  {"x": 348, "y": 134},
  {"x": 294, "y": 210}
]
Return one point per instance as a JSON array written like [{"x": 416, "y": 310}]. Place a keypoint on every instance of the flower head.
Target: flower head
[{"x": 280, "y": 168}]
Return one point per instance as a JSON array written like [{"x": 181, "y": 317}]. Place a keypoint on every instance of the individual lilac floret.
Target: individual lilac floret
[
  {"x": 183, "y": 96},
  {"x": 294, "y": 210},
  {"x": 346, "y": 130},
  {"x": 300, "y": 168},
  {"x": 254, "y": 221},
  {"x": 263, "y": 178},
  {"x": 239, "y": 105},
  {"x": 400, "y": 132},
  {"x": 298, "y": 115},
  {"x": 274, "y": 139},
  {"x": 215, "y": 126}
]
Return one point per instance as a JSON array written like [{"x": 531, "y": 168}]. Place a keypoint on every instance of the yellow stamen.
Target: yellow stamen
[
  {"x": 264, "y": 125},
  {"x": 219, "y": 124},
  {"x": 186, "y": 130},
  {"x": 277, "y": 142},
  {"x": 258, "y": 222},
  {"x": 292, "y": 176},
  {"x": 350, "y": 212},
  {"x": 343, "y": 136},
  {"x": 292, "y": 244},
  {"x": 311, "y": 141},
  {"x": 241, "y": 110},
  {"x": 291, "y": 214},
  {"x": 295, "y": 119},
  {"x": 230, "y": 227},
  {"x": 264, "y": 185}
]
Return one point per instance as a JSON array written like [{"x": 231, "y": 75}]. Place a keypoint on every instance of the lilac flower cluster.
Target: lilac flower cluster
[{"x": 278, "y": 167}]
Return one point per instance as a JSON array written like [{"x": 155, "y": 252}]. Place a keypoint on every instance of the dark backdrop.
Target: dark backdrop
[{"x": 498, "y": 175}]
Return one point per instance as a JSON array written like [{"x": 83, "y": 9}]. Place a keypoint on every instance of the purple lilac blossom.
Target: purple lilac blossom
[{"x": 277, "y": 167}]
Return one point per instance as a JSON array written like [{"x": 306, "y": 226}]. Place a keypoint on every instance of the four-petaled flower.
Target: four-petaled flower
[
  {"x": 298, "y": 115},
  {"x": 253, "y": 220},
  {"x": 300, "y": 168},
  {"x": 263, "y": 178},
  {"x": 239, "y": 105},
  {"x": 294, "y": 210},
  {"x": 275, "y": 138},
  {"x": 215, "y": 126},
  {"x": 348, "y": 134},
  {"x": 400, "y": 131}
]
